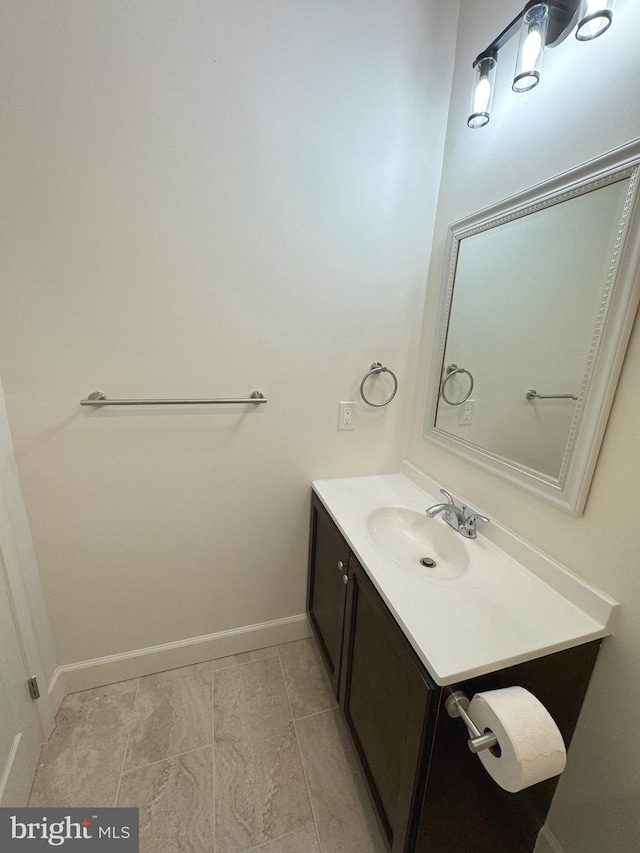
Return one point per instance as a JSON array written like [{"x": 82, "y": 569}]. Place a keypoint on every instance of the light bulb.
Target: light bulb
[
  {"x": 481, "y": 97},
  {"x": 531, "y": 50},
  {"x": 533, "y": 34},
  {"x": 482, "y": 93}
]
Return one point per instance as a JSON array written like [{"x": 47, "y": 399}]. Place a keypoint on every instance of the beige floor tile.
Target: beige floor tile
[
  {"x": 341, "y": 806},
  {"x": 172, "y": 715},
  {"x": 306, "y": 678},
  {"x": 244, "y": 657},
  {"x": 305, "y": 841},
  {"x": 262, "y": 800},
  {"x": 175, "y": 798},
  {"x": 109, "y": 691},
  {"x": 260, "y": 789},
  {"x": 81, "y": 762},
  {"x": 250, "y": 701}
]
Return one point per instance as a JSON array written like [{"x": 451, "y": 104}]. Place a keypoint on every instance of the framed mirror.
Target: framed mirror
[{"x": 536, "y": 308}]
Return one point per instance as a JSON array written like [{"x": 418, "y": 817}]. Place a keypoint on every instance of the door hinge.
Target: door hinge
[{"x": 34, "y": 690}]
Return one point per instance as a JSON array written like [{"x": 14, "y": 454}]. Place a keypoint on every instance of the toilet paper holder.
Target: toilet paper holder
[{"x": 456, "y": 705}]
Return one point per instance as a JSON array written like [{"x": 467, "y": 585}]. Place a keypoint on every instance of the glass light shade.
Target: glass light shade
[
  {"x": 484, "y": 74},
  {"x": 533, "y": 35},
  {"x": 594, "y": 19}
]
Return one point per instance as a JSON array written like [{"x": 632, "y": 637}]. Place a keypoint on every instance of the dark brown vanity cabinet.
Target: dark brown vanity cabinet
[
  {"x": 388, "y": 700},
  {"x": 431, "y": 794},
  {"x": 327, "y": 589},
  {"x": 390, "y": 706}
]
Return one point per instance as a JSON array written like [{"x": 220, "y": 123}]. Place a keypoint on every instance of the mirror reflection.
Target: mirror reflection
[
  {"x": 537, "y": 304},
  {"x": 525, "y": 310}
]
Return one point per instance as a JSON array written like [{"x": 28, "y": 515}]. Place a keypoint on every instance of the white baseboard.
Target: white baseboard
[
  {"x": 83, "y": 675},
  {"x": 547, "y": 842}
]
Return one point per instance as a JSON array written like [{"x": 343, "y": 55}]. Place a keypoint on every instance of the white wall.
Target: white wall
[
  {"x": 203, "y": 199},
  {"x": 586, "y": 104}
]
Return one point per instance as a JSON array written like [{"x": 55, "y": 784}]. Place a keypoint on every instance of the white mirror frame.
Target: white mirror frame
[{"x": 620, "y": 302}]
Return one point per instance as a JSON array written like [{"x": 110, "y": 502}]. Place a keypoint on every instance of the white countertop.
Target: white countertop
[{"x": 515, "y": 614}]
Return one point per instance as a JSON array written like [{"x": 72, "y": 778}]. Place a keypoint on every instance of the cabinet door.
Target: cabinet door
[
  {"x": 328, "y": 565},
  {"x": 390, "y": 705}
]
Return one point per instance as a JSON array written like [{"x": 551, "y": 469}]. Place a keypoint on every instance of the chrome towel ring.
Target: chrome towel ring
[
  {"x": 376, "y": 367},
  {"x": 453, "y": 370}
]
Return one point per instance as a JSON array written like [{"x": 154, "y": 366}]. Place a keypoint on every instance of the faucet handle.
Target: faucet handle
[
  {"x": 470, "y": 524},
  {"x": 447, "y": 496},
  {"x": 475, "y": 516}
]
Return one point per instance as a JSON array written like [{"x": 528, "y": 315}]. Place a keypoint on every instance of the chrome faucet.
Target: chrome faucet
[
  {"x": 449, "y": 508},
  {"x": 457, "y": 517}
]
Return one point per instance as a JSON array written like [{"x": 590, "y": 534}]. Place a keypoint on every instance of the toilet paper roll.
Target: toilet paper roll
[{"x": 531, "y": 747}]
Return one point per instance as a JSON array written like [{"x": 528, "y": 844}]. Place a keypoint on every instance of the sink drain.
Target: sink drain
[{"x": 428, "y": 562}]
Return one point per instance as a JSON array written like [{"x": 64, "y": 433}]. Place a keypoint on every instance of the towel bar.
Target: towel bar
[{"x": 97, "y": 398}]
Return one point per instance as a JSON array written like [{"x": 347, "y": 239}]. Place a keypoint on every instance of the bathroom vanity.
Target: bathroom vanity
[{"x": 397, "y": 640}]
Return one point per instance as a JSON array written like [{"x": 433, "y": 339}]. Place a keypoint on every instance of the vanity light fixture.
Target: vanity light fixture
[{"x": 541, "y": 25}]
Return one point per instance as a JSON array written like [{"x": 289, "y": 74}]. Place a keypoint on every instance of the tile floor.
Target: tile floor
[{"x": 242, "y": 753}]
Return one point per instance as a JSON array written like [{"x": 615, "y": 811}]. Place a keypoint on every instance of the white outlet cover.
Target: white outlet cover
[
  {"x": 465, "y": 418},
  {"x": 345, "y": 415}
]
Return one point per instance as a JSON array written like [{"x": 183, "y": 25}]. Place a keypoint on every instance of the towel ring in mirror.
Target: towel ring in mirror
[{"x": 453, "y": 370}]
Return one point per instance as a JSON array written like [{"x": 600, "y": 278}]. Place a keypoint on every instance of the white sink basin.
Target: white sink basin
[{"x": 413, "y": 540}]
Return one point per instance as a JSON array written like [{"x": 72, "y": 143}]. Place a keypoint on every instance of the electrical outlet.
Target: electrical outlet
[
  {"x": 465, "y": 418},
  {"x": 345, "y": 415}
]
